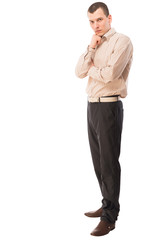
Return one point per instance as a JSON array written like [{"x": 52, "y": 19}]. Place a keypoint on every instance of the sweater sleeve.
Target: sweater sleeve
[{"x": 84, "y": 63}]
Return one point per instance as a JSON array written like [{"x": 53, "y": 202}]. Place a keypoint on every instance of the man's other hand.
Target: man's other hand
[{"x": 96, "y": 40}]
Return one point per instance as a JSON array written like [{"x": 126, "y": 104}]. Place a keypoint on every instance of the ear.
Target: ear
[{"x": 110, "y": 18}]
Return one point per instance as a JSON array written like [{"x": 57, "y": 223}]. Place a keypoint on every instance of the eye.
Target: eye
[{"x": 100, "y": 19}]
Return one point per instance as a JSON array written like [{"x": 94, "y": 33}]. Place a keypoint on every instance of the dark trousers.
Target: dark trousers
[{"x": 104, "y": 132}]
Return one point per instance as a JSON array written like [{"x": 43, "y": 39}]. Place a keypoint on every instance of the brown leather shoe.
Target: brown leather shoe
[
  {"x": 103, "y": 228},
  {"x": 96, "y": 213}
]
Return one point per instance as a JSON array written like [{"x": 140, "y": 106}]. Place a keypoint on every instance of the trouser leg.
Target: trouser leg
[
  {"x": 105, "y": 121},
  {"x": 94, "y": 147}
]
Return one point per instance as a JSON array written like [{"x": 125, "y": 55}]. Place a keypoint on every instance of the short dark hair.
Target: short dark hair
[{"x": 97, "y": 5}]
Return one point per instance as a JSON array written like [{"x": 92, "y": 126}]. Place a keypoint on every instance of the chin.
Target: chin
[{"x": 100, "y": 34}]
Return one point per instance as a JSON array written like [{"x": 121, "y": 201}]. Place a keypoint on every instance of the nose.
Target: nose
[{"x": 96, "y": 25}]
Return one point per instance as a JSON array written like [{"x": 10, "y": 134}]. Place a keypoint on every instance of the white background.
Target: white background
[{"x": 47, "y": 179}]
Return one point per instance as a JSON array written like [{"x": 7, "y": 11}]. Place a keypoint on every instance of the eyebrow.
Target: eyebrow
[{"x": 96, "y": 19}]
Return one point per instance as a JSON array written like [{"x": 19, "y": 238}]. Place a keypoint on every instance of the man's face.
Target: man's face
[{"x": 99, "y": 22}]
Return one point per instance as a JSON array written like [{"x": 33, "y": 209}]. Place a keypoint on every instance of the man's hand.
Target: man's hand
[{"x": 96, "y": 40}]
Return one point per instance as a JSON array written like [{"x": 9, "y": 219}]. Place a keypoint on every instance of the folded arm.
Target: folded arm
[{"x": 116, "y": 64}]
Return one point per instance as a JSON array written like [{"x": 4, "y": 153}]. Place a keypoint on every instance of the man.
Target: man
[{"x": 107, "y": 63}]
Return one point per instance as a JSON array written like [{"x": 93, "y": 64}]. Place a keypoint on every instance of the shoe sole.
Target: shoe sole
[{"x": 103, "y": 234}]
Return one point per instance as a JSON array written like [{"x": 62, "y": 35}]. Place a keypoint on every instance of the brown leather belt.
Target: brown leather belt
[{"x": 104, "y": 99}]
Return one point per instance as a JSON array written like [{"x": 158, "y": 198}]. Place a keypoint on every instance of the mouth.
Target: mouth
[{"x": 98, "y": 31}]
